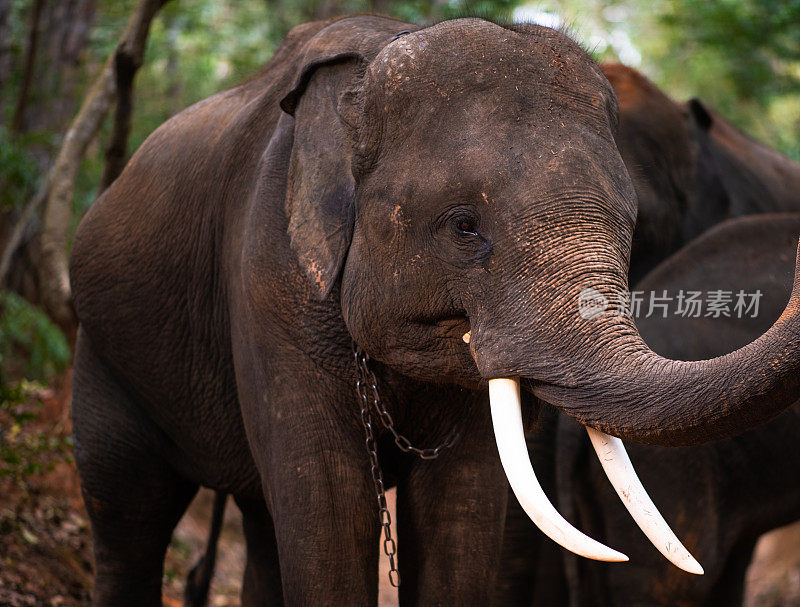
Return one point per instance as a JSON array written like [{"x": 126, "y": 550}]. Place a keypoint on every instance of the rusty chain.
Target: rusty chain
[{"x": 367, "y": 389}]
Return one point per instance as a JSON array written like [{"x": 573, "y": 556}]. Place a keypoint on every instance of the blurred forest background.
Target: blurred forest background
[{"x": 71, "y": 112}]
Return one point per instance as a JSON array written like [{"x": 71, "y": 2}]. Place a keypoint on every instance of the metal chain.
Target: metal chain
[
  {"x": 389, "y": 546},
  {"x": 367, "y": 388}
]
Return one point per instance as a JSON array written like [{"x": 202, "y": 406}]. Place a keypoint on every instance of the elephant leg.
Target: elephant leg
[
  {"x": 531, "y": 572},
  {"x": 133, "y": 497},
  {"x": 522, "y": 542},
  {"x": 530, "y": 569},
  {"x": 315, "y": 472},
  {"x": 451, "y": 512},
  {"x": 261, "y": 586}
]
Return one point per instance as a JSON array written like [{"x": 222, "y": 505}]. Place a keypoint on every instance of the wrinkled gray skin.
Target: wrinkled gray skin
[
  {"x": 720, "y": 497},
  {"x": 395, "y": 193}
]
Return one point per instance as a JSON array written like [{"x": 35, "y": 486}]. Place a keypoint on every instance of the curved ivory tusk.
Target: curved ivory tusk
[
  {"x": 619, "y": 470},
  {"x": 506, "y": 407}
]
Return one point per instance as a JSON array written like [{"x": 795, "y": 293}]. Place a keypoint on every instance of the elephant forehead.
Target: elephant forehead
[
  {"x": 472, "y": 56},
  {"x": 471, "y": 152},
  {"x": 507, "y": 178}
]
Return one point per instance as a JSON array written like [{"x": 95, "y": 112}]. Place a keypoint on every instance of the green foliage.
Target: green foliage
[
  {"x": 743, "y": 57},
  {"x": 18, "y": 172},
  {"x": 25, "y": 448},
  {"x": 199, "y": 47},
  {"x": 31, "y": 345}
]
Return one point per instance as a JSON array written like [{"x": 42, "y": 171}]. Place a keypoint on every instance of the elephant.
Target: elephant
[
  {"x": 342, "y": 253},
  {"x": 720, "y": 496},
  {"x": 691, "y": 169}
]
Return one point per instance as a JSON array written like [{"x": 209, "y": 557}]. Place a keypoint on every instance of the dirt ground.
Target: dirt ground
[{"x": 45, "y": 545}]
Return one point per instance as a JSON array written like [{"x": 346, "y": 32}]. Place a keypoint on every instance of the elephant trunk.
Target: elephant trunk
[
  {"x": 638, "y": 395},
  {"x": 614, "y": 384}
]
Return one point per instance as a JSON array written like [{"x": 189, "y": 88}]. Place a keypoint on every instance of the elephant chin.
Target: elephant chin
[{"x": 504, "y": 397}]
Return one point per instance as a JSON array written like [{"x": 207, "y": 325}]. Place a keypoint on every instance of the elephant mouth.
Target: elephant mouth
[
  {"x": 506, "y": 410},
  {"x": 453, "y": 326}
]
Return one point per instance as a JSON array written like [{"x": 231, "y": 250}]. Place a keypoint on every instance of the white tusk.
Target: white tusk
[
  {"x": 619, "y": 470},
  {"x": 466, "y": 337},
  {"x": 504, "y": 398}
]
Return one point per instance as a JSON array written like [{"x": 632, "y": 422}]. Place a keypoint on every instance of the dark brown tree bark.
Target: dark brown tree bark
[
  {"x": 117, "y": 150},
  {"x": 5, "y": 52},
  {"x": 127, "y": 60},
  {"x": 31, "y": 49},
  {"x": 53, "y": 275}
]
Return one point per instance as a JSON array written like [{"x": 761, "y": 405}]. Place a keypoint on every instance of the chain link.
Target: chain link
[{"x": 367, "y": 389}]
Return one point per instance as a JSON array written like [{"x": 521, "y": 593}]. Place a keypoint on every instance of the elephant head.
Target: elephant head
[{"x": 463, "y": 184}]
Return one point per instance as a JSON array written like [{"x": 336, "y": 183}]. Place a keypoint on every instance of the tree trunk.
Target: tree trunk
[
  {"x": 53, "y": 274},
  {"x": 5, "y": 52},
  {"x": 18, "y": 122},
  {"x": 17, "y": 233},
  {"x": 64, "y": 28},
  {"x": 126, "y": 65},
  {"x": 128, "y": 60},
  {"x": 66, "y": 33}
]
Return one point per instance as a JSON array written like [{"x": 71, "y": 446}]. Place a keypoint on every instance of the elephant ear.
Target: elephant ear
[
  {"x": 709, "y": 197},
  {"x": 320, "y": 197}
]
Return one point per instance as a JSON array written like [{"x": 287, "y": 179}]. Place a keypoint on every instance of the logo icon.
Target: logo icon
[{"x": 591, "y": 303}]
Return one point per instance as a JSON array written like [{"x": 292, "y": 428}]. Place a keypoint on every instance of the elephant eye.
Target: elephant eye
[{"x": 466, "y": 225}]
